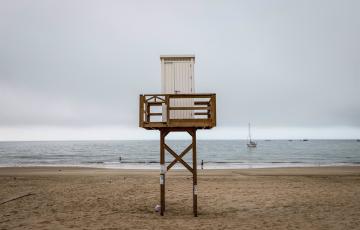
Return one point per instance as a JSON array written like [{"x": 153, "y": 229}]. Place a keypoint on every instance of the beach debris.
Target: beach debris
[
  {"x": 157, "y": 208},
  {"x": 18, "y": 197}
]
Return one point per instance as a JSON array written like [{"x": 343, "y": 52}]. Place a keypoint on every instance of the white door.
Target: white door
[
  {"x": 183, "y": 77},
  {"x": 183, "y": 84},
  {"x": 178, "y": 79}
]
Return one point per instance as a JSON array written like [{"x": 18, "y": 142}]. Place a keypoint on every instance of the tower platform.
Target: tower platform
[{"x": 158, "y": 111}]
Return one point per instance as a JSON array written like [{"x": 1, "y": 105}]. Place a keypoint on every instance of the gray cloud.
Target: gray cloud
[{"x": 276, "y": 63}]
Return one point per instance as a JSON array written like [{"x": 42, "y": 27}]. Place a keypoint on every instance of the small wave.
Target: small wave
[
  {"x": 353, "y": 162},
  {"x": 135, "y": 162},
  {"x": 93, "y": 162},
  {"x": 226, "y": 162},
  {"x": 286, "y": 162},
  {"x": 25, "y": 157}
]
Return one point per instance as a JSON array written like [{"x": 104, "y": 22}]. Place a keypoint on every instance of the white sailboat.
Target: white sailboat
[{"x": 251, "y": 143}]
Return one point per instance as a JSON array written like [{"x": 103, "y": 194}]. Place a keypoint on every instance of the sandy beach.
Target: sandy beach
[{"x": 87, "y": 198}]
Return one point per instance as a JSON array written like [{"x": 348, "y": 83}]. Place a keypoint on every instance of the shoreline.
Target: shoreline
[
  {"x": 322, "y": 170},
  {"x": 207, "y": 166}
]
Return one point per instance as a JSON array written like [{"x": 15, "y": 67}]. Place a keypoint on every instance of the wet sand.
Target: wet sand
[{"x": 86, "y": 198}]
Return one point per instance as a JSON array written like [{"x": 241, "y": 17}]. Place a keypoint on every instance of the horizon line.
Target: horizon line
[{"x": 182, "y": 139}]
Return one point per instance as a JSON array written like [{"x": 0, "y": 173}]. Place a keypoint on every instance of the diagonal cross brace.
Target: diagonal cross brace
[{"x": 178, "y": 158}]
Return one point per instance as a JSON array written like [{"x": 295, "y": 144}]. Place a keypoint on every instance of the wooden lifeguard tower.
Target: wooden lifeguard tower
[{"x": 177, "y": 109}]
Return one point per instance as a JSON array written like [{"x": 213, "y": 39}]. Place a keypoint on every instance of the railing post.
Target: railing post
[
  {"x": 147, "y": 111},
  {"x": 209, "y": 110},
  {"x": 213, "y": 109},
  {"x": 167, "y": 103},
  {"x": 141, "y": 110}
]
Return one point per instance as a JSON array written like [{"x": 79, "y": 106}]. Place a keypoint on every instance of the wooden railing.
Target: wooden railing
[{"x": 177, "y": 110}]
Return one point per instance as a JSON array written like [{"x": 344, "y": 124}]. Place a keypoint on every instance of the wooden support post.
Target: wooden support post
[
  {"x": 194, "y": 172},
  {"x": 162, "y": 171}
]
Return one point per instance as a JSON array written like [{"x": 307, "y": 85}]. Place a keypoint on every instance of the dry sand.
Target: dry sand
[{"x": 84, "y": 198}]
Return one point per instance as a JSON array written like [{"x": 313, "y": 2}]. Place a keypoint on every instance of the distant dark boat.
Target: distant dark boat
[
  {"x": 358, "y": 140},
  {"x": 251, "y": 143},
  {"x": 290, "y": 140},
  {"x": 305, "y": 140}
]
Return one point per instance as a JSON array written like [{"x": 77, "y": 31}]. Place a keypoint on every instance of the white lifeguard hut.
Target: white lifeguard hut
[{"x": 177, "y": 77}]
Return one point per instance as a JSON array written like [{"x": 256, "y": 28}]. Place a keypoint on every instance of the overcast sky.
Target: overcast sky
[{"x": 74, "y": 69}]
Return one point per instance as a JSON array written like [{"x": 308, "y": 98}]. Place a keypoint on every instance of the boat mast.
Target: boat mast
[{"x": 249, "y": 133}]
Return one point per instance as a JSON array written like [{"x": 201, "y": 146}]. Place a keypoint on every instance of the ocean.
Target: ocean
[{"x": 216, "y": 154}]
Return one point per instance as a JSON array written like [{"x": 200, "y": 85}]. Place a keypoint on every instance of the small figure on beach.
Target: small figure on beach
[
  {"x": 202, "y": 164},
  {"x": 119, "y": 158}
]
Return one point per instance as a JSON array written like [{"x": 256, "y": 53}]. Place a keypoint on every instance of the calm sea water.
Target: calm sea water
[{"x": 215, "y": 153}]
